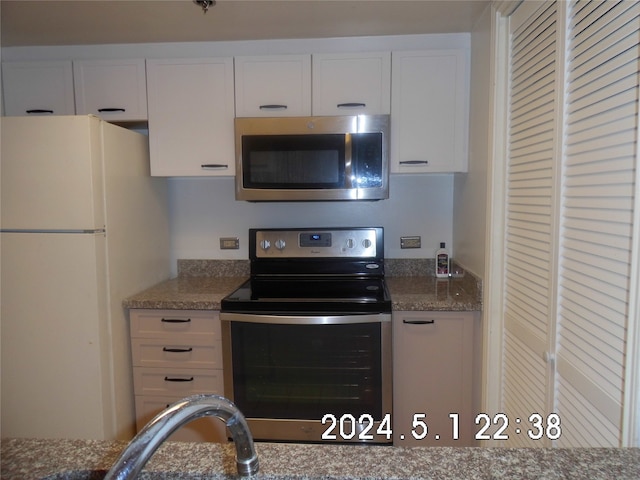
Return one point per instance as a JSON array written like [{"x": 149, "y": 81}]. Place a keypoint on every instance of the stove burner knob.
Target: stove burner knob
[
  {"x": 265, "y": 245},
  {"x": 351, "y": 243},
  {"x": 280, "y": 244},
  {"x": 366, "y": 243}
]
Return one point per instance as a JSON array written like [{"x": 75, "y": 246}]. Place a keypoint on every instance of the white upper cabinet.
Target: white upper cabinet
[
  {"x": 273, "y": 86},
  {"x": 429, "y": 111},
  {"x": 115, "y": 90},
  {"x": 352, "y": 83},
  {"x": 191, "y": 117},
  {"x": 38, "y": 88}
]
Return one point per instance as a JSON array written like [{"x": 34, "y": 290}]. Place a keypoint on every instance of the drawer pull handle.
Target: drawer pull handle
[
  {"x": 39, "y": 110},
  {"x": 176, "y": 320},
  {"x": 414, "y": 162},
  {"x": 178, "y": 379},
  {"x": 111, "y": 110},
  {"x": 351, "y": 105},
  {"x": 177, "y": 350},
  {"x": 273, "y": 107},
  {"x": 214, "y": 166},
  {"x": 419, "y": 322}
]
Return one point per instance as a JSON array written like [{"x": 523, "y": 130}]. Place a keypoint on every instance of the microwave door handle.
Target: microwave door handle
[{"x": 348, "y": 163}]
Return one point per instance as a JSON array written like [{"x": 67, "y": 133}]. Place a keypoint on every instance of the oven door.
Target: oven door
[{"x": 310, "y": 378}]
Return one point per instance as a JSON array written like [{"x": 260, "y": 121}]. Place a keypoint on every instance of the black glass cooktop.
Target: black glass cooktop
[{"x": 309, "y": 295}]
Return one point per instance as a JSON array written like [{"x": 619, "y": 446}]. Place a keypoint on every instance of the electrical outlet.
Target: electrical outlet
[
  {"x": 229, "y": 243},
  {"x": 410, "y": 242}
]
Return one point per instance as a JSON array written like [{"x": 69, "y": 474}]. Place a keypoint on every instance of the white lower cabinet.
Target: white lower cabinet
[
  {"x": 433, "y": 378},
  {"x": 176, "y": 353}
]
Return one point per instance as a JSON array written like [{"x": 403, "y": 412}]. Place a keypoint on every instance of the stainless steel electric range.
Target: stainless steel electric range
[{"x": 307, "y": 339}]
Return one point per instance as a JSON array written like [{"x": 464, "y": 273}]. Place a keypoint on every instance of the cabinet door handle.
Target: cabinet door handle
[
  {"x": 273, "y": 107},
  {"x": 175, "y": 320},
  {"x": 214, "y": 166},
  {"x": 419, "y": 322},
  {"x": 351, "y": 105},
  {"x": 414, "y": 162},
  {"x": 38, "y": 110},
  {"x": 177, "y": 350},
  {"x": 111, "y": 110},
  {"x": 178, "y": 379}
]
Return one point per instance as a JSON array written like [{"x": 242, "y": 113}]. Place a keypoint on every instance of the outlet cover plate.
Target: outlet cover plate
[
  {"x": 411, "y": 242},
  {"x": 229, "y": 243}
]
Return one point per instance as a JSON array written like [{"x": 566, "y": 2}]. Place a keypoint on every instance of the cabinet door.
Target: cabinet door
[
  {"x": 429, "y": 113},
  {"x": 433, "y": 378},
  {"x": 38, "y": 88},
  {"x": 273, "y": 86},
  {"x": 191, "y": 116},
  {"x": 352, "y": 84},
  {"x": 115, "y": 90}
]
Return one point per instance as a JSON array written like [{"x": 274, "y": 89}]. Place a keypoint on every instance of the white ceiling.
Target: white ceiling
[{"x": 84, "y": 22}]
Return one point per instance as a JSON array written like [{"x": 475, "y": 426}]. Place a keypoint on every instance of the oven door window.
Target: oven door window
[
  {"x": 306, "y": 371},
  {"x": 293, "y": 161}
]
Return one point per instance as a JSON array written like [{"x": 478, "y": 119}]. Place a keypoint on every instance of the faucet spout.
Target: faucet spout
[{"x": 147, "y": 441}]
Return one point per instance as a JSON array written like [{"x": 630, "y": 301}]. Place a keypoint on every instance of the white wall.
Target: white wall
[
  {"x": 204, "y": 209},
  {"x": 470, "y": 199}
]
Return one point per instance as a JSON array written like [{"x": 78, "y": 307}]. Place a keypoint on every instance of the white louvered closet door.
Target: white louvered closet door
[
  {"x": 569, "y": 240},
  {"x": 530, "y": 219},
  {"x": 601, "y": 126}
]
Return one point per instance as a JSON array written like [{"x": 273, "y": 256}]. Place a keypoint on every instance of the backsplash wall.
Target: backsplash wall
[{"x": 204, "y": 209}]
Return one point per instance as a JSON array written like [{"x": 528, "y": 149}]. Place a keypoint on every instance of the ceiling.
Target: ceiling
[{"x": 85, "y": 22}]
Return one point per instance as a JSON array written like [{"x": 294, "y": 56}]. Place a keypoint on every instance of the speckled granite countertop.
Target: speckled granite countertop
[
  {"x": 27, "y": 459},
  {"x": 202, "y": 284}
]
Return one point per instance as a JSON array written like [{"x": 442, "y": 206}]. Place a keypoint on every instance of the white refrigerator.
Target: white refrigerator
[{"x": 83, "y": 226}]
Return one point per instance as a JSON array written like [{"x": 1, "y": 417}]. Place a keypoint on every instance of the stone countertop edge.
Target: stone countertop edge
[
  {"x": 31, "y": 459},
  {"x": 202, "y": 284}
]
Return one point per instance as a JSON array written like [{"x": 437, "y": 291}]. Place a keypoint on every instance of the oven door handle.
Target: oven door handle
[{"x": 317, "y": 319}]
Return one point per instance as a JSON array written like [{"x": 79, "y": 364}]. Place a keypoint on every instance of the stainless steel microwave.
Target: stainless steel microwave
[{"x": 312, "y": 158}]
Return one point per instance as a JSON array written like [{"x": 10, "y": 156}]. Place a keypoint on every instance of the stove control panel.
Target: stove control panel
[{"x": 322, "y": 243}]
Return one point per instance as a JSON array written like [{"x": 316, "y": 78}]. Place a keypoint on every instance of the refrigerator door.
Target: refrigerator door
[
  {"x": 51, "y": 173},
  {"x": 52, "y": 311}
]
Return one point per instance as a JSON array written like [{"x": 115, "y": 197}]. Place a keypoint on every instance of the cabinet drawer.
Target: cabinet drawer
[
  {"x": 176, "y": 352},
  {"x": 176, "y": 382},
  {"x": 168, "y": 323},
  {"x": 207, "y": 429}
]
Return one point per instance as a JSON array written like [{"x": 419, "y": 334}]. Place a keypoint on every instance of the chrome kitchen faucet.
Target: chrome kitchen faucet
[{"x": 147, "y": 441}]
